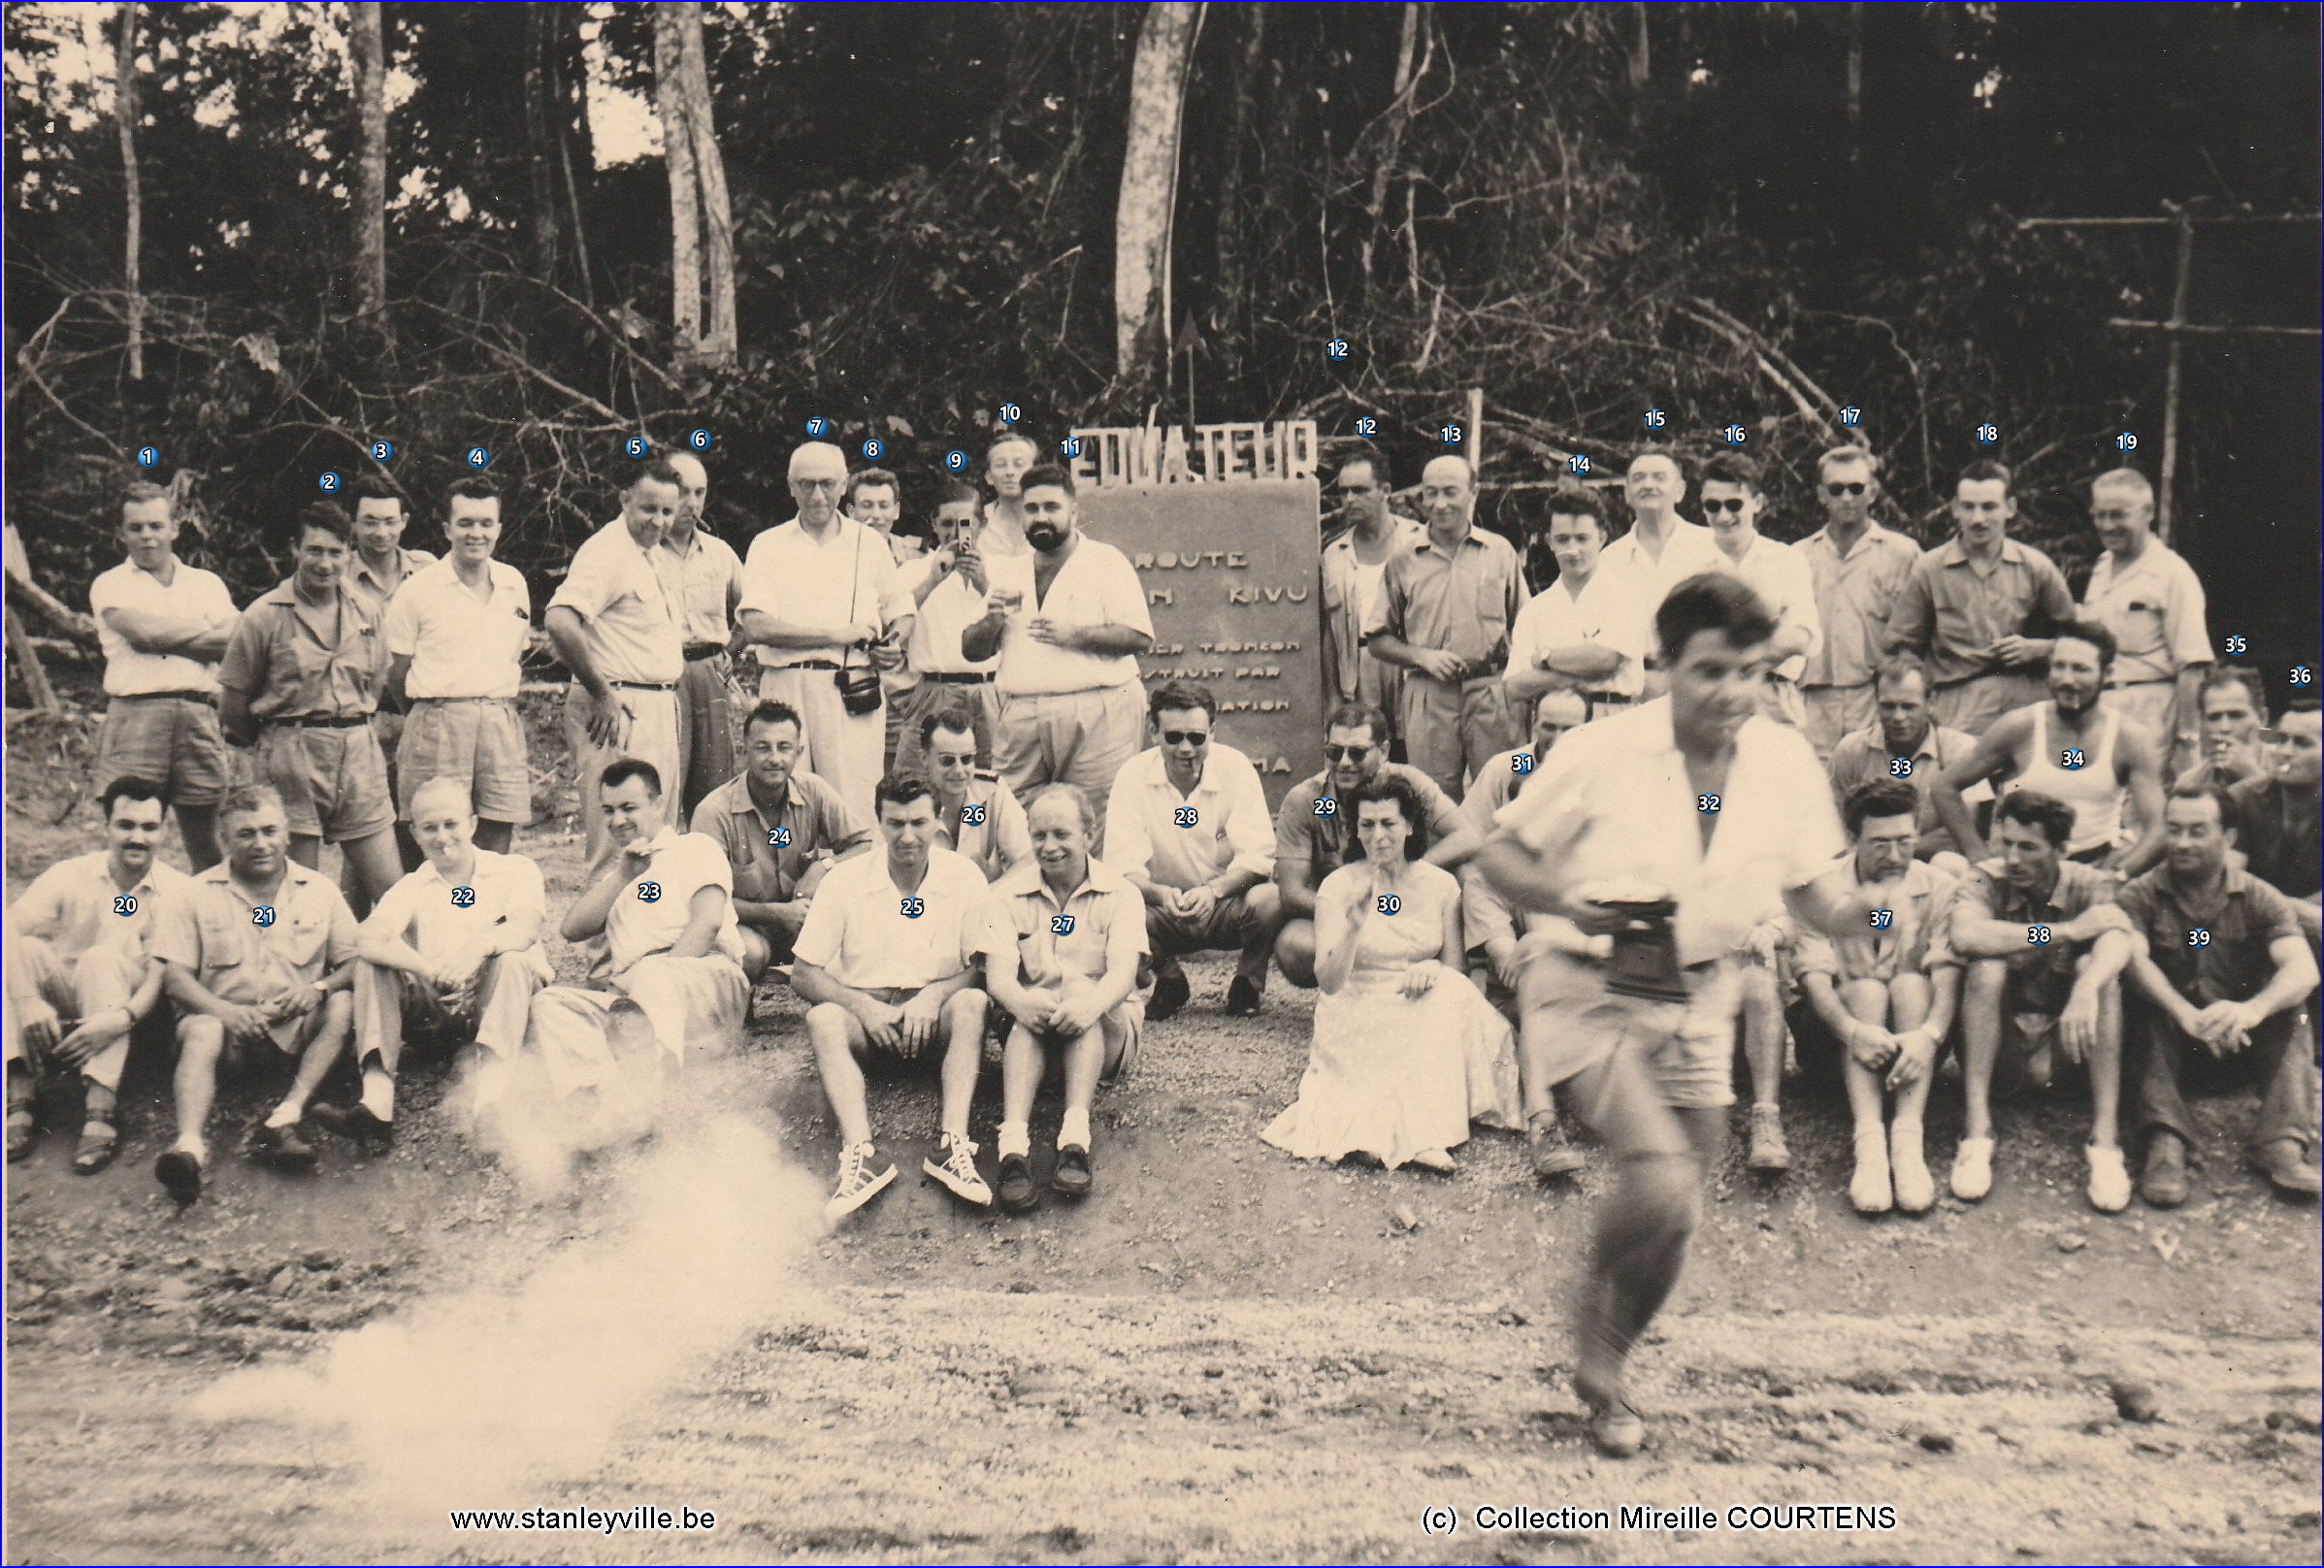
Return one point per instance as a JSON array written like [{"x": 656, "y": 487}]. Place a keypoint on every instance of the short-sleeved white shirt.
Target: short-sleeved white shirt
[
  {"x": 460, "y": 645},
  {"x": 75, "y": 905},
  {"x": 857, "y": 932},
  {"x": 950, "y": 608},
  {"x": 1782, "y": 577},
  {"x": 1607, "y": 611},
  {"x": 425, "y": 910},
  {"x": 631, "y": 602},
  {"x": 2154, "y": 607},
  {"x": 849, "y": 576},
  {"x": 1612, "y": 803},
  {"x": 1097, "y": 586},
  {"x": 1689, "y": 550},
  {"x": 192, "y": 595},
  {"x": 681, "y": 866},
  {"x": 1228, "y": 826}
]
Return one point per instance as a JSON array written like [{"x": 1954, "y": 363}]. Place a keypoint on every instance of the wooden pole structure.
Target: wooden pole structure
[{"x": 1472, "y": 434}]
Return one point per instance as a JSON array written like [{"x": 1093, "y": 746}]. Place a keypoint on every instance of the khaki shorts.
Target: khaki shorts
[
  {"x": 479, "y": 743},
  {"x": 1572, "y": 1023},
  {"x": 173, "y": 741},
  {"x": 333, "y": 782}
]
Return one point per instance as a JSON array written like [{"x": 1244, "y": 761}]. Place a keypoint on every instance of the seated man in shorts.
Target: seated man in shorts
[
  {"x": 886, "y": 962},
  {"x": 1061, "y": 938},
  {"x": 1877, "y": 1004},
  {"x": 260, "y": 956},
  {"x": 454, "y": 949},
  {"x": 781, "y": 828},
  {"x": 2044, "y": 946}
]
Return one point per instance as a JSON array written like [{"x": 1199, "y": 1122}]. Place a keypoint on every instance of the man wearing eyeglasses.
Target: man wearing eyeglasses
[
  {"x": 2144, "y": 593},
  {"x": 1188, "y": 827},
  {"x": 1858, "y": 568},
  {"x": 1352, "y": 566}
]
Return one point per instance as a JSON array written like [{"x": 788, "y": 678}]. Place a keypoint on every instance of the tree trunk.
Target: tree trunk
[
  {"x": 546, "y": 224},
  {"x": 371, "y": 172},
  {"x": 1228, "y": 314},
  {"x": 1142, "y": 215},
  {"x": 125, "y": 113},
  {"x": 685, "y": 204},
  {"x": 1642, "y": 60},
  {"x": 1855, "y": 80},
  {"x": 1399, "y": 116},
  {"x": 710, "y": 170}
]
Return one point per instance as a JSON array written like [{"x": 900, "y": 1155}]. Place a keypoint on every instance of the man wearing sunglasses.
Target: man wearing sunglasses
[
  {"x": 1859, "y": 569},
  {"x": 1188, "y": 827},
  {"x": 2144, "y": 593}
]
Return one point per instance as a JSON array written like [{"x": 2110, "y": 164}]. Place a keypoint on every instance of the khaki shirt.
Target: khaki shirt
[
  {"x": 214, "y": 934},
  {"x": 1854, "y": 596},
  {"x": 292, "y": 661},
  {"x": 1952, "y": 609},
  {"x": 1462, "y": 600},
  {"x": 1343, "y": 600},
  {"x": 708, "y": 573},
  {"x": 813, "y": 823},
  {"x": 2154, "y": 607},
  {"x": 75, "y": 907},
  {"x": 1101, "y": 925},
  {"x": 361, "y": 579}
]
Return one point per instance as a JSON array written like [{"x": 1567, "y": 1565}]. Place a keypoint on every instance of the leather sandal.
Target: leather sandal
[
  {"x": 22, "y": 1125},
  {"x": 99, "y": 1142}
]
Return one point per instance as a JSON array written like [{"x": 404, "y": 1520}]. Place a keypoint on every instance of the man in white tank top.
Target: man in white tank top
[{"x": 2092, "y": 757}]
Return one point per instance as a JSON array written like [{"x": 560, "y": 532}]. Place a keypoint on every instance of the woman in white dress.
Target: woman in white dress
[{"x": 1407, "y": 1052}]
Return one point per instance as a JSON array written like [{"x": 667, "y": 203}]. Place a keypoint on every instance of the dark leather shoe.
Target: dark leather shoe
[
  {"x": 1072, "y": 1174},
  {"x": 355, "y": 1123},
  {"x": 2284, "y": 1163},
  {"x": 1242, "y": 999},
  {"x": 2163, "y": 1182},
  {"x": 1017, "y": 1193},
  {"x": 180, "y": 1172},
  {"x": 1170, "y": 993},
  {"x": 285, "y": 1147}
]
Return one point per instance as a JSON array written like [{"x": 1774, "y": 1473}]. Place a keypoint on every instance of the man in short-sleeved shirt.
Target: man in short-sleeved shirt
[
  {"x": 1587, "y": 632},
  {"x": 1662, "y": 549},
  {"x": 2144, "y": 593},
  {"x": 1778, "y": 573},
  {"x": 709, "y": 582},
  {"x": 1859, "y": 569},
  {"x": 1355, "y": 564},
  {"x": 949, "y": 586},
  {"x": 2276, "y": 816},
  {"x": 781, "y": 828}
]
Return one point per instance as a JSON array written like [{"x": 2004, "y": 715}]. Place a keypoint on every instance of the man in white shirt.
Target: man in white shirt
[
  {"x": 664, "y": 902},
  {"x": 78, "y": 977},
  {"x": 1668, "y": 832},
  {"x": 1587, "y": 631},
  {"x": 1068, "y": 624},
  {"x": 949, "y": 586},
  {"x": 616, "y": 623},
  {"x": 1188, "y": 827},
  {"x": 1663, "y": 548},
  {"x": 709, "y": 582},
  {"x": 456, "y": 636},
  {"x": 453, "y": 949},
  {"x": 2144, "y": 593},
  {"x": 886, "y": 962},
  {"x": 828, "y": 611},
  {"x": 1010, "y": 457},
  {"x": 163, "y": 626},
  {"x": 1860, "y": 568},
  {"x": 1778, "y": 574},
  {"x": 1354, "y": 565}
]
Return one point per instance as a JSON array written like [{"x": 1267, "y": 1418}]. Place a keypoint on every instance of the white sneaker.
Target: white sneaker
[
  {"x": 954, "y": 1163},
  {"x": 1916, "y": 1188},
  {"x": 1973, "y": 1169},
  {"x": 859, "y": 1183},
  {"x": 2110, "y": 1180},
  {"x": 1867, "y": 1189}
]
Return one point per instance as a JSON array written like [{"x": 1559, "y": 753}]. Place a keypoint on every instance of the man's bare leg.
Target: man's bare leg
[{"x": 1983, "y": 993}]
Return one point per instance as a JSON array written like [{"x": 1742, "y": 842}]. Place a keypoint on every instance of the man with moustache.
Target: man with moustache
[
  {"x": 1445, "y": 607},
  {"x": 1973, "y": 606},
  {"x": 301, "y": 679},
  {"x": 1354, "y": 566},
  {"x": 2144, "y": 593},
  {"x": 379, "y": 567},
  {"x": 1068, "y": 624},
  {"x": 2234, "y": 713},
  {"x": 456, "y": 636},
  {"x": 617, "y": 626},
  {"x": 1904, "y": 743},
  {"x": 1778, "y": 574},
  {"x": 162, "y": 625},
  {"x": 710, "y": 579},
  {"x": 2075, "y": 749},
  {"x": 949, "y": 587},
  {"x": 1858, "y": 568},
  {"x": 825, "y": 605},
  {"x": 78, "y": 973},
  {"x": 1587, "y": 632}
]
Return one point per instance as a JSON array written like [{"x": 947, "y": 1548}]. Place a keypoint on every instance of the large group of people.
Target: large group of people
[{"x": 1708, "y": 809}]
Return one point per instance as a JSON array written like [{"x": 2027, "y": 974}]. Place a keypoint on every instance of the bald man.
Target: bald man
[
  {"x": 2144, "y": 593},
  {"x": 709, "y": 579},
  {"x": 827, "y": 613},
  {"x": 1445, "y": 609}
]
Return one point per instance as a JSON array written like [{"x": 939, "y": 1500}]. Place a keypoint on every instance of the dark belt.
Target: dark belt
[
  {"x": 644, "y": 685},
  {"x": 415, "y": 701},
  {"x": 804, "y": 663},
  {"x": 1610, "y": 699},
  {"x": 950, "y": 677},
  {"x": 208, "y": 698},
  {"x": 344, "y": 721},
  {"x": 696, "y": 652}
]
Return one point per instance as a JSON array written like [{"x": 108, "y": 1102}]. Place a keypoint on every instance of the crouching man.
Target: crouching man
[
  {"x": 453, "y": 951},
  {"x": 662, "y": 900},
  {"x": 260, "y": 956}
]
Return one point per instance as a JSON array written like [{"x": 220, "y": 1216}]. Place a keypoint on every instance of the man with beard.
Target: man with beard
[
  {"x": 709, "y": 581},
  {"x": 781, "y": 828},
  {"x": 2144, "y": 593},
  {"x": 1859, "y": 569},
  {"x": 1904, "y": 743},
  {"x": 78, "y": 967},
  {"x": 1444, "y": 614},
  {"x": 1587, "y": 632},
  {"x": 2072, "y": 748},
  {"x": 259, "y": 959},
  {"x": 1354, "y": 565},
  {"x": 1314, "y": 833},
  {"x": 301, "y": 679},
  {"x": 1669, "y": 829},
  {"x": 1068, "y": 623},
  {"x": 616, "y": 625}
]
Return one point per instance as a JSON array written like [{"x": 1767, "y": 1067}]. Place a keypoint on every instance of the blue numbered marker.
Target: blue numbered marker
[
  {"x": 699, "y": 440},
  {"x": 478, "y": 458},
  {"x": 635, "y": 447},
  {"x": 328, "y": 482},
  {"x": 872, "y": 449},
  {"x": 1987, "y": 435},
  {"x": 817, "y": 426},
  {"x": 147, "y": 457},
  {"x": 1656, "y": 419},
  {"x": 956, "y": 461},
  {"x": 383, "y": 451}
]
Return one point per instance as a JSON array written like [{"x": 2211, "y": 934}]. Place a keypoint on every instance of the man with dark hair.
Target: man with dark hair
[
  {"x": 2043, "y": 943},
  {"x": 379, "y": 567},
  {"x": 1187, "y": 826},
  {"x": 259, "y": 958},
  {"x": 301, "y": 679},
  {"x": 949, "y": 586},
  {"x": 1877, "y": 1003},
  {"x": 664, "y": 902},
  {"x": 1009, "y": 456},
  {"x": 162, "y": 625},
  {"x": 2232, "y": 711},
  {"x": 2146, "y": 595},
  {"x": 978, "y": 813},
  {"x": 782, "y": 828},
  {"x": 1587, "y": 632},
  {"x": 616, "y": 623},
  {"x": 886, "y": 962},
  {"x": 79, "y": 971},
  {"x": 1904, "y": 743},
  {"x": 875, "y": 498},
  {"x": 1975, "y": 606},
  {"x": 1669, "y": 829},
  {"x": 2072, "y": 748},
  {"x": 456, "y": 635},
  {"x": 708, "y": 574},
  {"x": 1778, "y": 573},
  {"x": 1068, "y": 623},
  {"x": 1354, "y": 565},
  {"x": 2275, "y": 814},
  {"x": 2219, "y": 967},
  {"x": 1314, "y": 833},
  {"x": 1859, "y": 569}
]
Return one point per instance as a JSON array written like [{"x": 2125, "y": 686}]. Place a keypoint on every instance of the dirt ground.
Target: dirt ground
[{"x": 1221, "y": 1356}]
